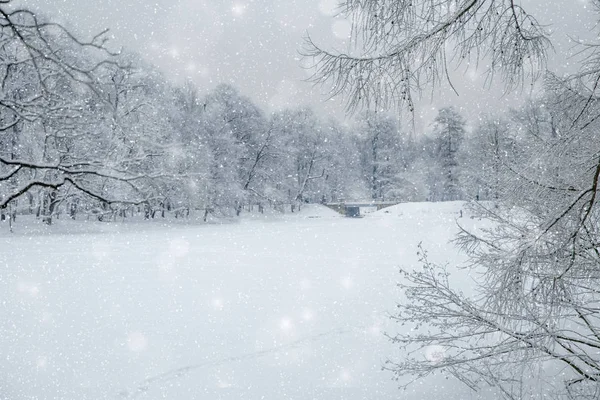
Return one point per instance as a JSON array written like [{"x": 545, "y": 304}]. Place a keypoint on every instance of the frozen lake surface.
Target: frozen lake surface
[{"x": 282, "y": 307}]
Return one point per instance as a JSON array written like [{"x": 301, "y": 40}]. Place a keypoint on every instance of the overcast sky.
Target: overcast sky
[{"x": 254, "y": 44}]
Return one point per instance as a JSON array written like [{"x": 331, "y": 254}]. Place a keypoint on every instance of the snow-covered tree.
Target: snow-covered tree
[
  {"x": 488, "y": 155},
  {"x": 399, "y": 46},
  {"x": 52, "y": 96},
  {"x": 344, "y": 177},
  {"x": 189, "y": 155},
  {"x": 380, "y": 153},
  {"x": 411, "y": 179},
  {"x": 305, "y": 145},
  {"x": 374, "y": 135},
  {"x": 237, "y": 134},
  {"x": 448, "y": 136}
]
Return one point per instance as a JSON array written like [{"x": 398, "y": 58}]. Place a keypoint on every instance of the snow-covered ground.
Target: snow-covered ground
[{"x": 283, "y": 307}]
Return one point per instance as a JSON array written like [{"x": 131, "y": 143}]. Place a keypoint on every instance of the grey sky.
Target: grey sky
[{"x": 254, "y": 44}]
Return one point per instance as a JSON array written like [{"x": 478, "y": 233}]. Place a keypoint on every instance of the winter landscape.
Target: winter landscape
[{"x": 325, "y": 199}]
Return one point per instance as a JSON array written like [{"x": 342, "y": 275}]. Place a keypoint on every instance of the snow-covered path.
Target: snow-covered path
[{"x": 291, "y": 307}]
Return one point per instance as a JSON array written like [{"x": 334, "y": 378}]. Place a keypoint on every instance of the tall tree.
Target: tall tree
[
  {"x": 381, "y": 149},
  {"x": 306, "y": 160},
  {"x": 449, "y": 134},
  {"x": 488, "y": 155},
  {"x": 237, "y": 133},
  {"x": 344, "y": 176}
]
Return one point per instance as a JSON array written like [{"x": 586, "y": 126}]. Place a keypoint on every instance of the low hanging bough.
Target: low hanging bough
[{"x": 62, "y": 131}]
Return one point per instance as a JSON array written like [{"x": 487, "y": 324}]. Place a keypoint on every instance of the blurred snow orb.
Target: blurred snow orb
[
  {"x": 238, "y": 9},
  {"x": 305, "y": 284},
  {"x": 218, "y": 303},
  {"x": 342, "y": 29},
  {"x": 345, "y": 375},
  {"x": 179, "y": 247},
  {"x": 329, "y": 7},
  {"x": 286, "y": 324},
  {"x": 435, "y": 354},
  {"x": 28, "y": 288},
  {"x": 224, "y": 384},
  {"x": 137, "y": 342},
  {"x": 41, "y": 362},
  {"x": 174, "y": 52},
  {"x": 191, "y": 67},
  {"x": 375, "y": 329},
  {"x": 473, "y": 74},
  {"x": 204, "y": 72},
  {"x": 46, "y": 317},
  {"x": 307, "y": 315},
  {"x": 347, "y": 282}
]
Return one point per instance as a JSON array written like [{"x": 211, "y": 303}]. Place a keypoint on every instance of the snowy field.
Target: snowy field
[{"x": 283, "y": 307}]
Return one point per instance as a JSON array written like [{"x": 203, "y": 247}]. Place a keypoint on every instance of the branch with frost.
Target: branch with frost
[
  {"x": 402, "y": 45},
  {"x": 76, "y": 169},
  {"x": 5, "y": 201},
  {"x": 482, "y": 342},
  {"x": 40, "y": 45},
  {"x": 78, "y": 178}
]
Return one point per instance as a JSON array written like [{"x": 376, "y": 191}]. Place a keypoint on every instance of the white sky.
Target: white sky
[{"x": 254, "y": 45}]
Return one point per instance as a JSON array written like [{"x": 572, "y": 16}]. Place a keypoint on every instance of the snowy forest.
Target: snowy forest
[
  {"x": 161, "y": 239},
  {"x": 88, "y": 133}
]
